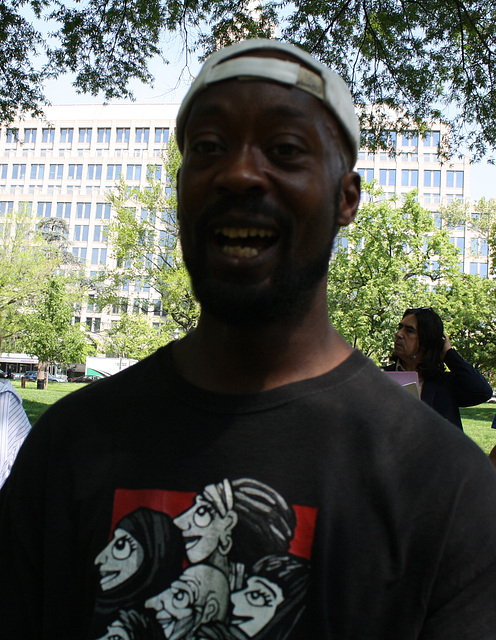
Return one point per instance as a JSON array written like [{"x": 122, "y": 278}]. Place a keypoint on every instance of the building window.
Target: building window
[
  {"x": 75, "y": 172},
  {"x": 103, "y": 134},
  {"x": 409, "y": 177},
  {"x": 387, "y": 177},
  {"x": 157, "y": 307},
  {"x": 432, "y": 139},
  {"x": 133, "y": 172},
  {"x": 83, "y": 210},
  {"x": 460, "y": 244},
  {"x": 154, "y": 171},
  {"x": 85, "y": 134},
  {"x": 63, "y": 209},
  {"x": 367, "y": 175},
  {"x": 432, "y": 178},
  {"x": 94, "y": 172},
  {"x": 162, "y": 135},
  {"x": 409, "y": 139},
  {"x": 99, "y": 256},
  {"x": 12, "y": 135},
  {"x": 81, "y": 233},
  {"x": 48, "y": 135},
  {"x": 114, "y": 171},
  {"x": 454, "y": 179},
  {"x": 123, "y": 134},
  {"x": 142, "y": 134},
  {"x": 56, "y": 172},
  {"x": 44, "y": 209},
  {"x": 18, "y": 171},
  {"x": 6, "y": 207},
  {"x": 26, "y": 206},
  {"x": 388, "y": 138},
  {"x": 99, "y": 234},
  {"x": 37, "y": 171},
  {"x": 103, "y": 211},
  {"x": 479, "y": 269},
  {"x": 3, "y": 171},
  {"x": 29, "y": 136},
  {"x": 66, "y": 134}
]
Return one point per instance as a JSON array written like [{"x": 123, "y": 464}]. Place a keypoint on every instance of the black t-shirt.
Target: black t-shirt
[{"x": 336, "y": 507}]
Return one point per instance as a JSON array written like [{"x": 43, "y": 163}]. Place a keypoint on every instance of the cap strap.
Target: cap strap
[{"x": 282, "y": 71}]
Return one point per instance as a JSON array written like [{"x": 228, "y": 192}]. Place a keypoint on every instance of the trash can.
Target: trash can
[{"x": 40, "y": 384}]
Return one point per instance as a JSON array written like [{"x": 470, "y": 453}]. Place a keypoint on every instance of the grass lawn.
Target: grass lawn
[
  {"x": 476, "y": 420},
  {"x": 477, "y": 424},
  {"x": 36, "y": 401}
]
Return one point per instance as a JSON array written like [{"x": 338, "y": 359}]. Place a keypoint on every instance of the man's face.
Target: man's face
[
  {"x": 259, "y": 198},
  {"x": 406, "y": 340}
]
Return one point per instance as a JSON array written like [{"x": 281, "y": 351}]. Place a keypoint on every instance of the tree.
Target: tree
[
  {"x": 470, "y": 302},
  {"x": 133, "y": 337},
  {"x": 429, "y": 61},
  {"x": 393, "y": 257},
  {"x": 25, "y": 264},
  {"x": 144, "y": 240},
  {"x": 47, "y": 329},
  {"x": 468, "y": 307}
]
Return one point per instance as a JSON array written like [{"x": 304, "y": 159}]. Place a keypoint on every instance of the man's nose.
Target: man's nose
[{"x": 244, "y": 170}]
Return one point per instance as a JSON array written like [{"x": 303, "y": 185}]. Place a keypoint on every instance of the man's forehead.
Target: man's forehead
[
  {"x": 269, "y": 97},
  {"x": 286, "y": 65},
  {"x": 409, "y": 321}
]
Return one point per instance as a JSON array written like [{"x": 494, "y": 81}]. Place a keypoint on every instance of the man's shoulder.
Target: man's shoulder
[{"x": 116, "y": 391}]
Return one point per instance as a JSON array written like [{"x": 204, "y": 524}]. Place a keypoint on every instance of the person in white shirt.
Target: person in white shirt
[{"x": 14, "y": 427}]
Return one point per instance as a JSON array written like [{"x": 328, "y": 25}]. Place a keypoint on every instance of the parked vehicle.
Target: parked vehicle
[
  {"x": 32, "y": 376},
  {"x": 86, "y": 378}
]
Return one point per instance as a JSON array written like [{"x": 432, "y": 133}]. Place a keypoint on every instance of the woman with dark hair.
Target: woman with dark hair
[
  {"x": 271, "y": 603},
  {"x": 421, "y": 345},
  {"x": 143, "y": 557}
]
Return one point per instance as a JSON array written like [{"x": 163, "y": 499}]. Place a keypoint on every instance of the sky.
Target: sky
[{"x": 172, "y": 82}]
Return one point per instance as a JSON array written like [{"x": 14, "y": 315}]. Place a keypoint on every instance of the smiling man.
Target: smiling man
[{"x": 296, "y": 446}]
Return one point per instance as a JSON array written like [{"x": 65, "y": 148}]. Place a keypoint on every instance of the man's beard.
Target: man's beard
[{"x": 238, "y": 301}]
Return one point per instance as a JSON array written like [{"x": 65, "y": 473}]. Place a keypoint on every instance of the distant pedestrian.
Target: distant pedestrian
[{"x": 421, "y": 345}]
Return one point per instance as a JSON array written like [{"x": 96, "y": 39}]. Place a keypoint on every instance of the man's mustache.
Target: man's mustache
[{"x": 252, "y": 205}]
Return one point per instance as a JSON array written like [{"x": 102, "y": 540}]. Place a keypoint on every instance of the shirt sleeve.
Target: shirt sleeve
[
  {"x": 471, "y": 387},
  {"x": 14, "y": 427}
]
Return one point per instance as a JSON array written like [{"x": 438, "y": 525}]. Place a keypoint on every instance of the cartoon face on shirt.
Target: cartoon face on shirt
[
  {"x": 116, "y": 631},
  {"x": 120, "y": 559},
  {"x": 198, "y": 597},
  {"x": 255, "y": 606},
  {"x": 205, "y": 530}
]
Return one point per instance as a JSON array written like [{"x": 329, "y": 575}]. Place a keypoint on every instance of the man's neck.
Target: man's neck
[
  {"x": 407, "y": 366},
  {"x": 233, "y": 359}
]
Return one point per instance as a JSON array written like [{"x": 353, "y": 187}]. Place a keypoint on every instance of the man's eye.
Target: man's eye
[
  {"x": 286, "y": 150},
  {"x": 205, "y": 146}
]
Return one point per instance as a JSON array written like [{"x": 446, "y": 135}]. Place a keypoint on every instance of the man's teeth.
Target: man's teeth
[
  {"x": 252, "y": 232},
  {"x": 240, "y": 252}
]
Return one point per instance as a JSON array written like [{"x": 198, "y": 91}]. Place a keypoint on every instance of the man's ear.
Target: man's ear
[{"x": 349, "y": 198}]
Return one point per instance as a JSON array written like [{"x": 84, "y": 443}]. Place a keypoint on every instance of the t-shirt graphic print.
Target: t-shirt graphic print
[{"x": 230, "y": 562}]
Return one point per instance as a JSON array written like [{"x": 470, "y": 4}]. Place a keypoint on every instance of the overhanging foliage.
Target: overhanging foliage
[{"x": 428, "y": 60}]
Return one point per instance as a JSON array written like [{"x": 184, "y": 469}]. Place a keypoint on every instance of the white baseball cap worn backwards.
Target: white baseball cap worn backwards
[{"x": 313, "y": 77}]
